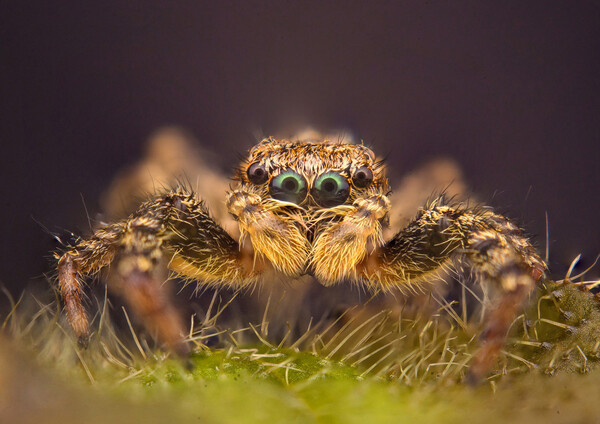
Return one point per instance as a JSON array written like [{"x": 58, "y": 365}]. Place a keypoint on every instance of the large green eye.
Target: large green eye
[
  {"x": 330, "y": 189},
  {"x": 289, "y": 187}
]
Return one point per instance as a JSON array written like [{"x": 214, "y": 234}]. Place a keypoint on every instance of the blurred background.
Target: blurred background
[{"x": 510, "y": 91}]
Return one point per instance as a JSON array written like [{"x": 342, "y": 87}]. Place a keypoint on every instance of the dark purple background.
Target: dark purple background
[{"x": 510, "y": 90}]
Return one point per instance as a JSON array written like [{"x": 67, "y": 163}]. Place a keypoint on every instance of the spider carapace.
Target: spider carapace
[{"x": 303, "y": 207}]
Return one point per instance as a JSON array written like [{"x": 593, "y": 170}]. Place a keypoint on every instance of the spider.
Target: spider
[{"x": 302, "y": 207}]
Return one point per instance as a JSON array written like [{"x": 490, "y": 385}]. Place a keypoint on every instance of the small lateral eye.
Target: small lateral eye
[
  {"x": 289, "y": 187},
  {"x": 363, "y": 177},
  {"x": 257, "y": 174}
]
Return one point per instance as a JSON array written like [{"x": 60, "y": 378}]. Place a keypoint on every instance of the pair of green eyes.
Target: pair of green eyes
[{"x": 330, "y": 189}]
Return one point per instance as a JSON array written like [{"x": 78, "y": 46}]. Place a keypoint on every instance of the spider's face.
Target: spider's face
[{"x": 314, "y": 175}]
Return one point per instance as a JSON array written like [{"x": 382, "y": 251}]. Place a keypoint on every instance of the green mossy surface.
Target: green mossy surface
[{"x": 376, "y": 371}]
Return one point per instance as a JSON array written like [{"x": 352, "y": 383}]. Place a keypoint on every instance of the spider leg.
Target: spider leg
[
  {"x": 441, "y": 175},
  {"x": 86, "y": 258},
  {"x": 171, "y": 153},
  {"x": 278, "y": 237},
  {"x": 494, "y": 248},
  {"x": 71, "y": 290},
  {"x": 150, "y": 302},
  {"x": 342, "y": 246},
  {"x": 173, "y": 227}
]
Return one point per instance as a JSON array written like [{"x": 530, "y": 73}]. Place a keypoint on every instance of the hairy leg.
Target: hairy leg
[
  {"x": 147, "y": 296},
  {"x": 494, "y": 248},
  {"x": 439, "y": 176},
  {"x": 171, "y": 154},
  {"x": 174, "y": 227},
  {"x": 280, "y": 238},
  {"x": 86, "y": 258},
  {"x": 338, "y": 249}
]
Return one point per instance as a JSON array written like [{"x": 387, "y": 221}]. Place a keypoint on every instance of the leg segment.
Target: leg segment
[
  {"x": 86, "y": 258},
  {"x": 278, "y": 237},
  {"x": 494, "y": 248},
  {"x": 151, "y": 303},
  {"x": 339, "y": 248},
  {"x": 174, "y": 227},
  {"x": 70, "y": 287}
]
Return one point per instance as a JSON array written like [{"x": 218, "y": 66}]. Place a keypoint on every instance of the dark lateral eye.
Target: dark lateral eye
[
  {"x": 330, "y": 189},
  {"x": 257, "y": 174},
  {"x": 289, "y": 187},
  {"x": 363, "y": 177}
]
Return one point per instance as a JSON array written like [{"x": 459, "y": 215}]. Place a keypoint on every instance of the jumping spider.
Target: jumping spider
[{"x": 303, "y": 207}]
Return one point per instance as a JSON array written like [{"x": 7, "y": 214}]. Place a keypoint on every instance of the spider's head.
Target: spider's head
[{"x": 314, "y": 175}]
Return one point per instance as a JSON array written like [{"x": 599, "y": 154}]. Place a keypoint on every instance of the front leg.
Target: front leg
[
  {"x": 491, "y": 246},
  {"x": 342, "y": 246},
  {"x": 172, "y": 228},
  {"x": 278, "y": 237}
]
